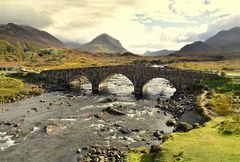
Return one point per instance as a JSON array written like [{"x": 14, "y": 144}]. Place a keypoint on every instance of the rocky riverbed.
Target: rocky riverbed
[{"x": 58, "y": 126}]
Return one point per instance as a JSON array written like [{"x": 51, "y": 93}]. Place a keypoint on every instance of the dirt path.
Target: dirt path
[{"x": 203, "y": 103}]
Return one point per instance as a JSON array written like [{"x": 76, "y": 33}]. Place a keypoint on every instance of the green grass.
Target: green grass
[
  {"x": 12, "y": 89},
  {"x": 9, "y": 86},
  {"x": 226, "y": 84},
  {"x": 204, "y": 144},
  {"x": 137, "y": 155}
]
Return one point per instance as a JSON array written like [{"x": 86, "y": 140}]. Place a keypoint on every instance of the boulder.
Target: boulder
[
  {"x": 50, "y": 128},
  {"x": 170, "y": 123},
  {"x": 155, "y": 149},
  {"x": 114, "y": 111},
  {"x": 182, "y": 127}
]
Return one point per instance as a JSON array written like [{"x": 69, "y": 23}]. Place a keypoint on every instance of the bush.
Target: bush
[
  {"x": 47, "y": 52},
  {"x": 230, "y": 126}
]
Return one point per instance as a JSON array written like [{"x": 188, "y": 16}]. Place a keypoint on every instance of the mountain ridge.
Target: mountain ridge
[
  {"x": 225, "y": 42},
  {"x": 27, "y": 34}
]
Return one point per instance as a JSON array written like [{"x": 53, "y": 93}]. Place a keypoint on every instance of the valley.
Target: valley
[{"x": 119, "y": 81}]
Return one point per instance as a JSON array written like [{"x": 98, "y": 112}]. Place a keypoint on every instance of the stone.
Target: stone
[
  {"x": 50, "y": 128},
  {"x": 170, "y": 123},
  {"x": 113, "y": 111},
  {"x": 158, "y": 134},
  {"x": 124, "y": 131},
  {"x": 108, "y": 100},
  {"x": 17, "y": 125},
  {"x": 155, "y": 149},
  {"x": 196, "y": 125},
  {"x": 85, "y": 148},
  {"x": 79, "y": 151},
  {"x": 182, "y": 127},
  {"x": 136, "y": 130},
  {"x": 43, "y": 101},
  {"x": 35, "y": 109}
]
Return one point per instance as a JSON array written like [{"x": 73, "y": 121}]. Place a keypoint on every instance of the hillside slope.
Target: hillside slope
[{"x": 27, "y": 34}]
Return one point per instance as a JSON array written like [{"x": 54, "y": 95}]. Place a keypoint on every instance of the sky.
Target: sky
[{"x": 140, "y": 25}]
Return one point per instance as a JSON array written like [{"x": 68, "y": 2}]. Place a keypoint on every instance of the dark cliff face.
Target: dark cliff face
[
  {"x": 27, "y": 34},
  {"x": 226, "y": 42},
  {"x": 103, "y": 43}
]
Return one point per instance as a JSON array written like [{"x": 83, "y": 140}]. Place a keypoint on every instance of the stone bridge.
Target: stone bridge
[{"x": 138, "y": 75}]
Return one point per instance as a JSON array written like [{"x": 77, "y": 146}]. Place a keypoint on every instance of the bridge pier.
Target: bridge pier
[
  {"x": 138, "y": 92},
  {"x": 95, "y": 88}
]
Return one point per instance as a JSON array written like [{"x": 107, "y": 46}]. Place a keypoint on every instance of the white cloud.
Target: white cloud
[{"x": 161, "y": 24}]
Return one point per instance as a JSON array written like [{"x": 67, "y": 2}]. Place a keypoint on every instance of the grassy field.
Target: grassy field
[
  {"x": 204, "y": 144},
  {"x": 228, "y": 66},
  {"x": 14, "y": 89},
  {"x": 217, "y": 141}
]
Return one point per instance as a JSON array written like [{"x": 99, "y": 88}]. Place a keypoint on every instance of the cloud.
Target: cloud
[
  {"x": 139, "y": 25},
  {"x": 12, "y": 11},
  {"x": 223, "y": 23}
]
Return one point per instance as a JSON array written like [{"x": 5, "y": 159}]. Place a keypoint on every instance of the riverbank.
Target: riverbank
[
  {"x": 12, "y": 89},
  {"x": 217, "y": 140}
]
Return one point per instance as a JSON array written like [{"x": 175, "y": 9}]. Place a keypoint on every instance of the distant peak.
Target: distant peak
[
  {"x": 11, "y": 24},
  {"x": 235, "y": 28},
  {"x": 104, "y": 35},
  {"x": 198, "y": 42}
]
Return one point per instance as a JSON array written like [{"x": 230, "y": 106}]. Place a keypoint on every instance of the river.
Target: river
[{"x": 80, "y": 121}]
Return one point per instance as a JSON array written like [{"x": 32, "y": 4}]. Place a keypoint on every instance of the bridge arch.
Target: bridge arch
[
  {"x": 111, "y": 81},
  {"x": 158, "y": 86},
  {"x": 81, "y": 77},
  {"x": 80, "y": 82}
]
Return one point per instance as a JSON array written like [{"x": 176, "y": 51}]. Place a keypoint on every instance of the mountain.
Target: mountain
[
  {"x": 198, "y": 47},
  {"x": 228, "y": 41},
  {"x": 27, "y": 34},
  {"x": 103, "y": 43},
  {"x": 225, "y": 42},
  {"x": 73, "y": 45},
  {"x": 164, "y": 52}
]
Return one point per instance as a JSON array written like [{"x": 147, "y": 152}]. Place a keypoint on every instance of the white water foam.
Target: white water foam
[
  {"x": 67, "y": 119},
  {"x": 5, "y": 141}
]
